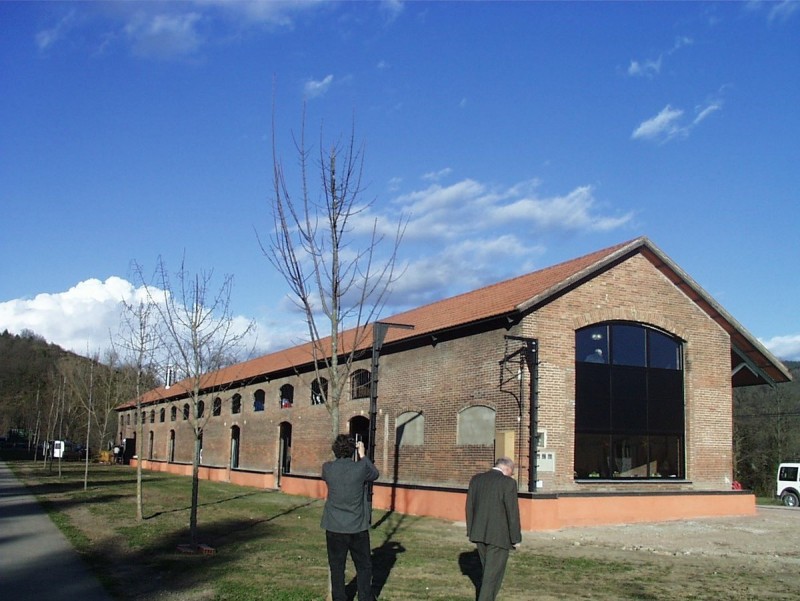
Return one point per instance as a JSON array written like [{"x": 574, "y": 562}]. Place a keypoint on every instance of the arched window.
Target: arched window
[
  {"x": 410, "y": 429},
  {"x": 287, "y": 396},
  {"x": 162, "y": 415},
  {"x": 171, "y": 447},
  {"x": 216, "y": 408},
  {"x": 359, "y": 384},
  {"x": 476, "y": 426},
  {"x": 235, "y": 436},
  {"x": 258, "y": 400},
  {"x": 128, "y": 420},
  {"x": 144, "y": 417},
  {"x": 629, "y": 402},
  {"x": 236, "y": 403},
  {"x": 173, "y": 413},
  {"x": 319, "y": 391},
  {"x": 186, "y": 411},
  {"x": 152, "y": 416},
  {"x": 201, "y": 409}
]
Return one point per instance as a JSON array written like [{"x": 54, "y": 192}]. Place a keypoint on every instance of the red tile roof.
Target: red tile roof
[{"x": 503, "y": 298}]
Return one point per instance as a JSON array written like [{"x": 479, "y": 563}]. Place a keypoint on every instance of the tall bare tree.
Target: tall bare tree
[
  {"x": 138, "y": 340},
  {"x": 199, "y": 337},
  {"x": 327, "y": 248}
]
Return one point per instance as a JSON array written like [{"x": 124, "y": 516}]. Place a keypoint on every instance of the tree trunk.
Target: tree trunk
[{"x": 195, "y": 490}]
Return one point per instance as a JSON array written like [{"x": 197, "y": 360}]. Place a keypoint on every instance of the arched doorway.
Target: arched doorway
[
  {"x": 359, "y": 429},
  {"x": 150, "y": 446},
  {"x": 171, "y": 447},
  {"x": 235, "y": 433},
  {"x": 285, "y": 449}
]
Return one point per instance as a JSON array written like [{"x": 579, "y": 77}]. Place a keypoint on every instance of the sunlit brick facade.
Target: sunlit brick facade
[{"x": 455, "y": 391}]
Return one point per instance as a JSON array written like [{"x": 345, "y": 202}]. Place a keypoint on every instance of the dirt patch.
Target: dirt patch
[{"x": 768, "y": 537}]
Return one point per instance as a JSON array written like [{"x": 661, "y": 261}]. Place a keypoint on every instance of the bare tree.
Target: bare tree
[
  {"x": 138, "y": 339},
  {"x": 326, "y": 247},
  {"x": 199, "y": 337}
]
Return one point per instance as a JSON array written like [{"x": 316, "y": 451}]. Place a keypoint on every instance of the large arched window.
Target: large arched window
[
  {"x": 216, "y": 407},
  {"x": 236, "y": 403},
  {"x": 629, "y": 409}
]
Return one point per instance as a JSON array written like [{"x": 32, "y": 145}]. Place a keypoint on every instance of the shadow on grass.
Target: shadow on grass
[
  {"x": 384, "y": 557},
  {"x": 210, "y": 503},
  {"x": 470, "y": 564},
  {"x": 234, "y": 531},
  {"x": 159, "y": 565}
]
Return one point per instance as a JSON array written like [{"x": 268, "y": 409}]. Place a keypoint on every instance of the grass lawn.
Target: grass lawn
[{"x": 269, "y": 546}]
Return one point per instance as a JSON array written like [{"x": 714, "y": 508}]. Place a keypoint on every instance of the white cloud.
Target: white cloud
[
  {"x": 647, "y": 68},
  {"x": 651, "y": 67},
  {"x": 313, "y": 88},
  {"x": 781, "y": 11},
  {"x": 462, "y": 266},
  {"x": 435, "y": 176},
  {"x": 259, "y": 12},
  {"x": 164, "y": 35},
  {"x": 170, "y": 30},
  {"x": 85, "y": 318},
  {"x": 784, "y": 347},
  {"x": 480, "y": 209},
  {"x": 469, "y": 234},
  {"x": 670, "y": 123},
  {"x": 570, "y": 212},
  {"x": 81, "y": 319},
  {"x": 47, "y": 38},
  {"x": 392, "y": 8},
  {"x": 663, "y": 125}
]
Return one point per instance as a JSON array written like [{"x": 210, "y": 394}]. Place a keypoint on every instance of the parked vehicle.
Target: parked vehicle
[{"x": 788, "y": 489}]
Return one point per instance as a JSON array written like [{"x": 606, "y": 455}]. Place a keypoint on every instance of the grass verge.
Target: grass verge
[{"x": 269, "y": 546}]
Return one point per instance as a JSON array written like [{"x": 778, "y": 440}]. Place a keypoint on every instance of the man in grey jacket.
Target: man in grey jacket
[
  {"x": 493, "y": 522},
  {"x": 346, "y": 515}
]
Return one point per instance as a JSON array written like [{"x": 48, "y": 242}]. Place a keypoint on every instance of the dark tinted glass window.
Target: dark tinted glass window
[
  {"x": 593, "y": 413},
  {"x": 629, "y": 409},
  {"x": 591, "y": 345},
  {"x": 628, "y": 345},
  {"x": 665, "y": 352}
]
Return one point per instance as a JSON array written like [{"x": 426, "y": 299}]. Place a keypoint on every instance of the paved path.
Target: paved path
[{"x": 36, "y": 562}]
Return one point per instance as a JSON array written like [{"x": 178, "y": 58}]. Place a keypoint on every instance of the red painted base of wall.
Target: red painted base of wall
[{"x": 550, "y": 512}]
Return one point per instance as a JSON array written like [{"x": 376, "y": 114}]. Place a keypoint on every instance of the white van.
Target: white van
[{"x": 788, "y": 489}]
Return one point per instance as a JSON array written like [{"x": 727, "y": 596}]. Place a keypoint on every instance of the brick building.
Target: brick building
[{"x": 607, "y": 378}]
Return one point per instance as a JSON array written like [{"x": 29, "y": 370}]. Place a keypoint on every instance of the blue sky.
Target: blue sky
[{"x": 514, "y": 135}]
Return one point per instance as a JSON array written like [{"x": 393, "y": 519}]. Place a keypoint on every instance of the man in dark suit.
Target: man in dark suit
[
  {"x": 493, "y": 522},
  {"x": 346, "y": 515}
]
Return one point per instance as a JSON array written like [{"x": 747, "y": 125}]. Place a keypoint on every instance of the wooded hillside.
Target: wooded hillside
[
  {"x": 766, "y": 427},
  {"x": 48, "y": 393}
]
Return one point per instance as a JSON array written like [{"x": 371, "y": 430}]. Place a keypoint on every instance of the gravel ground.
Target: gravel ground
[{"x": 769, "y": 537}]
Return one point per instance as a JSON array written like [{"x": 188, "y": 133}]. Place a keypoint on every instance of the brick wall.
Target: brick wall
[{"x": 443, "y": 377}]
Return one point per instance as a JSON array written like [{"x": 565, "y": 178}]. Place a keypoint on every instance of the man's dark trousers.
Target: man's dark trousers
[
  {"x": 359, "y": 547},
  {"x": 493, "y": 560}
]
